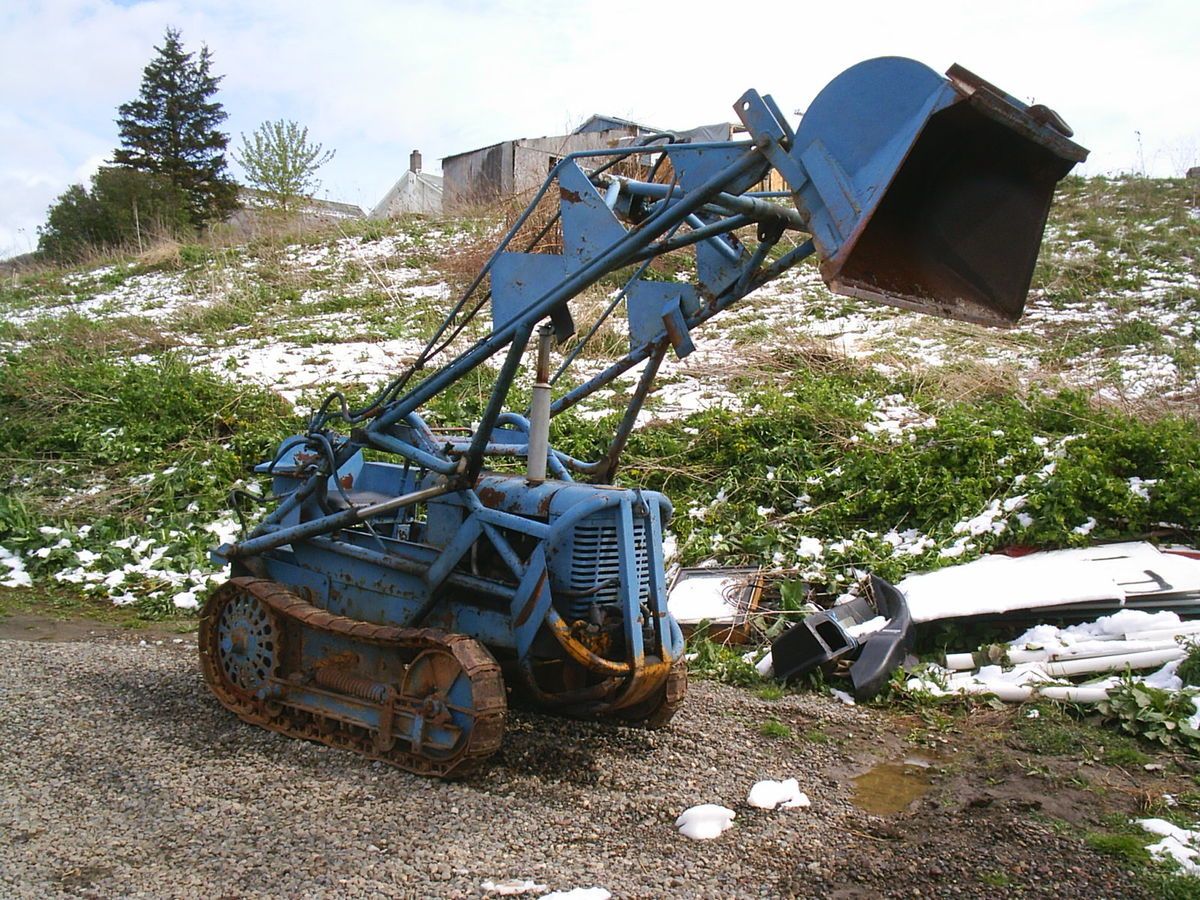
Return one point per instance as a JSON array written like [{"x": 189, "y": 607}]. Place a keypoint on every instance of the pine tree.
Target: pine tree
[{"x": 171, "y": 130}]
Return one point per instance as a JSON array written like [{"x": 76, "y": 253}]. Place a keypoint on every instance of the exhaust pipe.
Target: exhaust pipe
[{"x": 539, "y": 409}]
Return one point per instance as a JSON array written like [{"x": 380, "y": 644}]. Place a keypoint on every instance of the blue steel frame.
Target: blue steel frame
[{"x": 838, "y": 173}]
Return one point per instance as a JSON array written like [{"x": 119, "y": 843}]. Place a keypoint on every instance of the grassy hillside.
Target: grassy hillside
[{"x": 813, "y": 433}]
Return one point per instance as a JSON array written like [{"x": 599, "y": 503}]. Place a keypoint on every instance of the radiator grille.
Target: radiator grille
[{"x": 595, "y": 560}]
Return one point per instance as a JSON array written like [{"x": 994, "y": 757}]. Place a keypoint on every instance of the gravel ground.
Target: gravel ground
[{"x": 121, "y": 776}]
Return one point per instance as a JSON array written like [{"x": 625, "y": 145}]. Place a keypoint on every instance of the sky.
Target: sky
[{"x": 374, "y": 79}]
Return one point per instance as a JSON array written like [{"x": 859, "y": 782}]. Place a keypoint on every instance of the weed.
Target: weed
[
  {"x": 719, "y": 662},
  {"x": 770, "y": 691},
  {"x": 1189, "y": 666},
  {"x": 1059, "y": 730},
  {"x": 773, "y": 728},
  {"x": 995, "y": 878}
]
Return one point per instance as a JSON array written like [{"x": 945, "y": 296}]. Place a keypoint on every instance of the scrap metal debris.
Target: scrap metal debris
[
  {"x": 1106, "y": 577},
  {"x": 874, "y": 630},
  {"x": 720, "y": 596}
]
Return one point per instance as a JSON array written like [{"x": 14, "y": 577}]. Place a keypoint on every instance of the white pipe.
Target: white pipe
[
  {"x": 1145, "y": 660},
  {"x": 539, "y": 411},
  {"x": 993, "y": 653},
  {"x": 1020, "y": 693},
  {"x": 1083, "y": 650},
  {"x": 1047, "y": 671},
  {"x": 1090, "y": 650}
]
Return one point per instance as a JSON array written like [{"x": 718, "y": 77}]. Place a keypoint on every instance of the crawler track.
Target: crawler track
[{"x": 240, "y": 669}]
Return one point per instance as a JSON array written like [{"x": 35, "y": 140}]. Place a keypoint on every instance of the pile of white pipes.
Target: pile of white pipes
[{"x": 1040, "y": 662}]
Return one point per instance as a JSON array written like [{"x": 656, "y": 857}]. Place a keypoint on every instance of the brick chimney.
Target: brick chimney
[{"x": 414, "y": 161}]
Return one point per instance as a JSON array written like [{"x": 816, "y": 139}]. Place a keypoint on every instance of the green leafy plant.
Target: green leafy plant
[
  {"x": 1189, "y": 666},
  {"x": 718, "y": 662},
  {"x": 1153, "y": 714}
]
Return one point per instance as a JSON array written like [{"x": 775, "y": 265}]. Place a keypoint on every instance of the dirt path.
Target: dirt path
[{"x": 122, "y": 776}]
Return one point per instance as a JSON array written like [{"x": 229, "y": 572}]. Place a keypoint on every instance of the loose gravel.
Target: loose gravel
[{"x": 121, "y": 776}]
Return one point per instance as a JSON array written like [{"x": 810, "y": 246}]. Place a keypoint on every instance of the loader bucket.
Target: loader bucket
[{"x": 929, "y": 193}]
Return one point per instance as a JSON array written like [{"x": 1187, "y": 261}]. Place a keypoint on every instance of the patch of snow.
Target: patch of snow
[
  {"x": 1140, "y": 487},
  {"x": 809, "y": 548},
  {"x": 841, "y": 697},
  {"x": 777, "y": 794},
  {"x": 17, "y": 576},
  {"x": 869, "y": 627},
  {"x": 705, "y": 822},
  {"x": 894, "y": 418},
  {"x": 1180, "y": 844}
]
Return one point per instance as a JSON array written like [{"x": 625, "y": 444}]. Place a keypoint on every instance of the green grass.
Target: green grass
[
  {"x": 65, "y": 604},
  {"x": 996, "y": 879},
  {"x": 123, "y": 448},
  {"x": 1060, "y": 731},
  {"x": 1128, "y": 847},
  {"x": 1126, "y": 842},
  {"x": 773, "y": 728}
]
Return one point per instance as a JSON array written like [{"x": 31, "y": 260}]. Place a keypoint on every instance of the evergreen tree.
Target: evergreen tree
[{"x": 171, "y": 130}]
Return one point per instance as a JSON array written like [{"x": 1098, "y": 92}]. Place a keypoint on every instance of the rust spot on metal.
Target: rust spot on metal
[
  {"x": 527, "y": 609},
  {"x": 570, "y": 196},
  {"x": 346, "y": 481},
  {"x": 491, "y": 497}
]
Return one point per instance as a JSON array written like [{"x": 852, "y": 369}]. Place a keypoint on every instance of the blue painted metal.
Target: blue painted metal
[{"x": 566, "y": 576}]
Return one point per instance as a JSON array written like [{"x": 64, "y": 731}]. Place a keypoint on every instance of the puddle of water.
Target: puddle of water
[{"x": 892, "y": 787}]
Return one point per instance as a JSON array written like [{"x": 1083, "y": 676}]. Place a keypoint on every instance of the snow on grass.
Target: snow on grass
[
  {"x": 1179, "y": 844},
  {"x": 291, "y": 369},
  {"x": 17, "y": 576},
  {"x": 896, "y": 419},
  {"x": 138, "y": 567}
]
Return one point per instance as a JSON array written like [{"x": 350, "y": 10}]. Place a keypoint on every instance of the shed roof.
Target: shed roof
[{"x": 602, "y": 122}]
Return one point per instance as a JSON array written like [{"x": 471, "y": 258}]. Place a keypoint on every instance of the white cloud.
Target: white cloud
[{"x": 376, "y": 79}]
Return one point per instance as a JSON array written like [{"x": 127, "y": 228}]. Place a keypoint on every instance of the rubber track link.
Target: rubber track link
[{"x": 487, "y": 683}]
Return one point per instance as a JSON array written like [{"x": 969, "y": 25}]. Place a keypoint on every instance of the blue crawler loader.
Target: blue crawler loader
[{"x": 408, "y": 578}]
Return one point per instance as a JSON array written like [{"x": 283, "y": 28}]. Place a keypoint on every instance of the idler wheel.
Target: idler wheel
[{"x": 241, "y": 644}]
